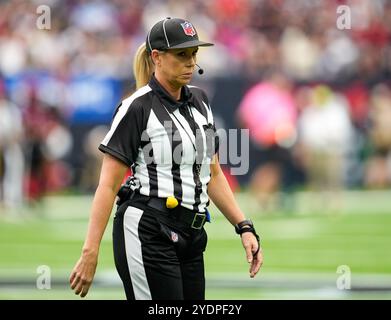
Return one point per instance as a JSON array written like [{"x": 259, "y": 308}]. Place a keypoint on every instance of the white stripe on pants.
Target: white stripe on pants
[{"x": 134, "y": 255}]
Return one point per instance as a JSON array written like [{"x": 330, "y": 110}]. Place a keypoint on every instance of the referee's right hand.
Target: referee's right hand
[{"x": 83, "y": 273}]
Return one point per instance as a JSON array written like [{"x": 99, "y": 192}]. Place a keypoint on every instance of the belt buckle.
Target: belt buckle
[{"x": 193, "y": 224}]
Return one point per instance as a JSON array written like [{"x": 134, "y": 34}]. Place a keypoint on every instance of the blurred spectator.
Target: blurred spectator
[
  {"x": 358, "y": 97},
  {"x": 93, "y": 161},
  {"x": 35, "y": 120},
  {"x": 299, "y": 54},
  {"x": 11, "y": 155},
  {"x": 268, "y": 110},
  {"x": 325, "y": 136},
  {"x": 301, "y": 36},
  {"x": 57, "y": 171},
  {"x": 378, "y": 171}
]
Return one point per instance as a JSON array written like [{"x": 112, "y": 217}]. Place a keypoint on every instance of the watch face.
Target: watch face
[{"x": 245, "y": 223}]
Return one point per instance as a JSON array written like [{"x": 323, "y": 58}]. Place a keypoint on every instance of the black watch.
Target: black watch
[{"x": 242, "y": 226}]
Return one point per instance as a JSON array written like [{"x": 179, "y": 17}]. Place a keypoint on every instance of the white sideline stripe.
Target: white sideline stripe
[{"x": 134, "y": 255}]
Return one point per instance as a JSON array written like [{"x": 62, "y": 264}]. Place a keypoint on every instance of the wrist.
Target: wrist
[
  {"x": 90, "y": 251},
  {"x": 246, "y": 226}
]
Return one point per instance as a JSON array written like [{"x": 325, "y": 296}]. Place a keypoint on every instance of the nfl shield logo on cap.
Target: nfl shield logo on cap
[
  {"x": 174, "y": 236},
  {"x": 188, "y": 28}
]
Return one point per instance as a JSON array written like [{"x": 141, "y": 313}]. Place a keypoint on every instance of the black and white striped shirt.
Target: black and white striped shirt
[{"x": 163, "y": 140}]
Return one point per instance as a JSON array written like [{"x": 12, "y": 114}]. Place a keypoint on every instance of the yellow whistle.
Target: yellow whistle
[{"x": 171, "y": 202}]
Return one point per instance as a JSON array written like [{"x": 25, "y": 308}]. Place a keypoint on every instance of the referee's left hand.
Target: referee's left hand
[{"x": 250, "y": 244}]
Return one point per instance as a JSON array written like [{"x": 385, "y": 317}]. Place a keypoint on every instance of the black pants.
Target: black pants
[{"x": 156, "y": 256}]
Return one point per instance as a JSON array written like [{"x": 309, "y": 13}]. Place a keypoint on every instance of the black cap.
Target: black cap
[{"x": 173, "y": 33}]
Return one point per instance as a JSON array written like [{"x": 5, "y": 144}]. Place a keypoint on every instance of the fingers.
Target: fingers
[
  {"x": 83, "y": 288},
  {"x": 72, "y": 277},
  {"x": 253, "y": 252},
  {"x": 86, "y": 287},
  {"x": 255, "y": 248},
  {"x": 80, "y": 285},
  {"x": 256, "y": 264},
  {"x": 248, "y": 245},
  {"x": 249, "y": 254},
  {"x": 82, "y": 275},
  {"x": 75, "y": 282}
]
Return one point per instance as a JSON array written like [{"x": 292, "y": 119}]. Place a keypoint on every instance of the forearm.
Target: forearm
[
  {"x": 100, "y": 213},
  {"x": 221, "y": 194}
]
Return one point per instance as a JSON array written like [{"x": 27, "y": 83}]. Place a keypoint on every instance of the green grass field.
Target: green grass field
[{"x": 302, "y": 249}]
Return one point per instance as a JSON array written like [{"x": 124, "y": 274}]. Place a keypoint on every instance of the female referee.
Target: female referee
[{"x": 165, "y": 132}]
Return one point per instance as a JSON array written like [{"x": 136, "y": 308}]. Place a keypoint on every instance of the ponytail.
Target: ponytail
[{"x": 142, "y": 67}]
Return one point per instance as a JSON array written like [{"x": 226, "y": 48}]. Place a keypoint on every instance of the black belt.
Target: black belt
[{"x": 192, "y": 219}]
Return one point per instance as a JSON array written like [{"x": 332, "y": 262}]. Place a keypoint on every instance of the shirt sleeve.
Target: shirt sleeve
[{"x": 124, "y": 138}]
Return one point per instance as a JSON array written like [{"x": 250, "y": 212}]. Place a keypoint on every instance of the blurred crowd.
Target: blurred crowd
[
  {"x": 317, "y": 99},
  {"x": 100, "y": 36}
]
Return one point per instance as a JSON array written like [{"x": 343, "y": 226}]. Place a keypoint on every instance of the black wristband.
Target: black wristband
[{"x": 245, "y": 224}]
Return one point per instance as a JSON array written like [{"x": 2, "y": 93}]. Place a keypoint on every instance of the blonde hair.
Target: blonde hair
[{"x": 143, "y": 66}]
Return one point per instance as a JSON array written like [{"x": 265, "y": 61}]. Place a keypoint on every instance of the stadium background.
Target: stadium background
[{"x": 317, "y": 101}]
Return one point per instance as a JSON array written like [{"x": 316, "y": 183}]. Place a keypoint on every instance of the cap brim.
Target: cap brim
[{"x": 190, "y": 44}]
